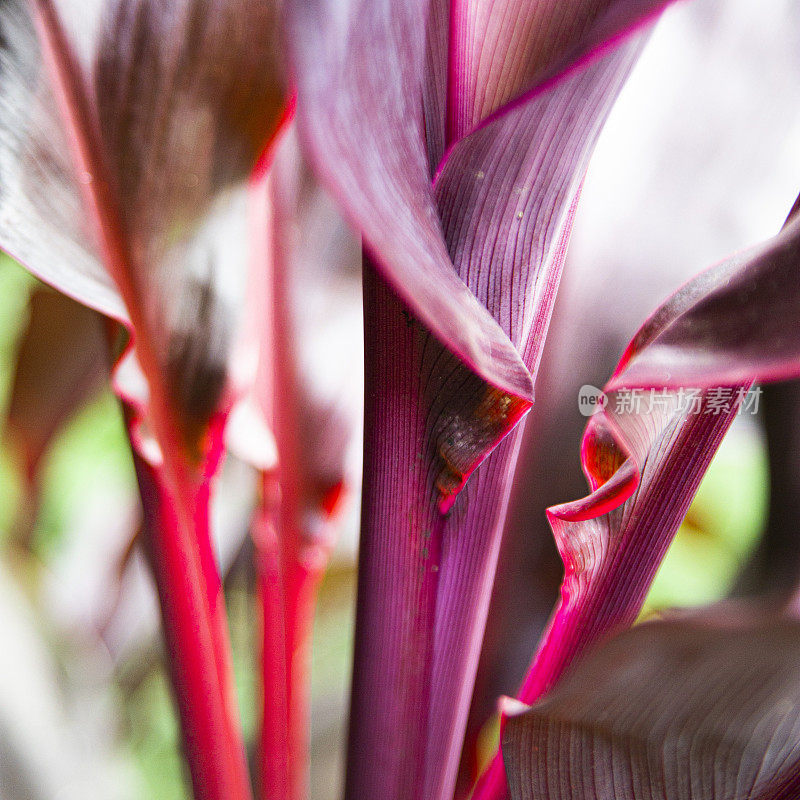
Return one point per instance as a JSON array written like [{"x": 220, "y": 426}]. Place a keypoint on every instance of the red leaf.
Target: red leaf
[{"x": 126, "y": 139}]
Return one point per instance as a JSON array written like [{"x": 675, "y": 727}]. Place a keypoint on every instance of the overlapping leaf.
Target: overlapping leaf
[
  {"x": 483, "y": 55},
  {"x": 475, "y": 260},
  {"x": 644, "y": 465},
  {"x": 704, "y": 707},
  {"x": 364, "y": 134}
]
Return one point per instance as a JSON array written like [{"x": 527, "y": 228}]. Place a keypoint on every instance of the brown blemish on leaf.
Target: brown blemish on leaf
[{"x": 465, "y": 435}]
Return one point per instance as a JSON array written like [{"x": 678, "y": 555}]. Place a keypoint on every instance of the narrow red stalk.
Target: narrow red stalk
[
  {"x": 287, "y": 594},
  {"x": 273, "y": 756},
  {"x": 293, "y": 572},
  {"x": 303, "y": 581},
  {"x": 193, "y": 608},
  {"x": 204, "y": 695},
  {"x": 303, "y": 562}
]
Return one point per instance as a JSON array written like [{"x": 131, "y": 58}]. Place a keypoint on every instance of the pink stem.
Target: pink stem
[
  {"x": 273, "y": 757},
  {"x": 295, "y": 567},
  {"x": 192, "y": 603},
  {"x": 194, "y": 622}
]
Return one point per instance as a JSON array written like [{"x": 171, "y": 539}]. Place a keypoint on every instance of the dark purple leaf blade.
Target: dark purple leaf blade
[
  {"x": 434, "y": 88},
  {"x": 732, "y": 322},
  {"x": 644, "y": 468},
  {"x": 504, "y": 48},
  {"x": 700, "y": 707},
  {"x": 490, "y": 235},
  {"x": 360, "y": 119}
]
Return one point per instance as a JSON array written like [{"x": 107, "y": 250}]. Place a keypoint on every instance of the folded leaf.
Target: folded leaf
[
  {"x": 507, "y": 196},
  {"x": 644, "y": 458},
  {"x": 625, "y": 257},
  {"x": 705, "y": 707},
  {"x": 732, "y": 322},
  {"x": 472, "y": 261},
  {"x": 364, "y": 134}
]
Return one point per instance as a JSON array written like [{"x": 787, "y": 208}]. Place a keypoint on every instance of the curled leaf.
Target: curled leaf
[{"x": 613, "y": 540}]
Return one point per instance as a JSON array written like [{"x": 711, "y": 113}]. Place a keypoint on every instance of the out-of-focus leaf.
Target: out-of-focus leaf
[
  {"x": 775, "y": 566},
  {"x": 62, "y": 360},
  {"x": 123, "y": 144},
  {"x": 308, "y": 382},
  {"x": 704, "y": 707},
  {"x": 127, "y": 133},
  {"x": 46, "y": 749}
]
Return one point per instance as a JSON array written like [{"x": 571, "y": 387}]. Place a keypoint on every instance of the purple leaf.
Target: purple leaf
[
  {"x": 502, "y": 48},
  {"x": 729, "y": 324},
  {"x": 644, "y": 465},
  {"x": 507, "y": 196},
  {"x": 470, "y": 265},
  {"x": 625, "y": 258},
  {"x": 359, "y": 72},
  {"x": 702, "y": 707}
]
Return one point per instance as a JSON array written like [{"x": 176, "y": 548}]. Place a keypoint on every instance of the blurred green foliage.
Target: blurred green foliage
[{"x": 722, "y": 527}]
